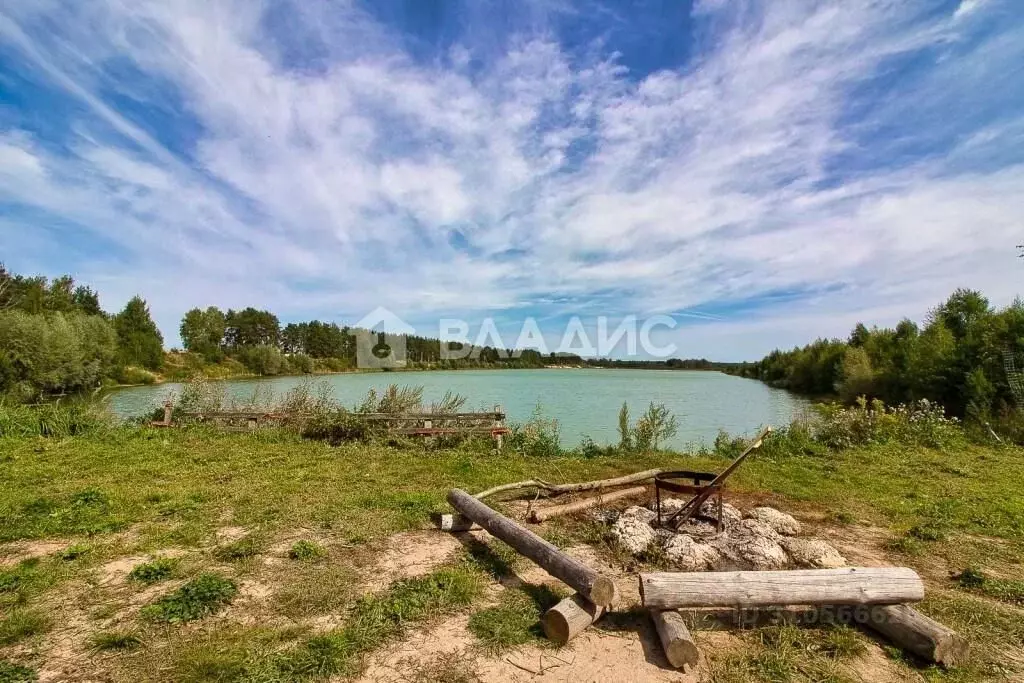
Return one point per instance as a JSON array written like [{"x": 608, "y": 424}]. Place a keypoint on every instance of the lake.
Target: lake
[{"x": 585, "y": 402}]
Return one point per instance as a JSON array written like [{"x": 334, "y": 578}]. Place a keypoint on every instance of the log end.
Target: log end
[
  {"x": 569, "y": 618},
  {"x": 556, "y": 627},
  {"x": 952, "y": 651},
  {"x": 682, "y": 653},
  {"x": 603, "y": 592}
]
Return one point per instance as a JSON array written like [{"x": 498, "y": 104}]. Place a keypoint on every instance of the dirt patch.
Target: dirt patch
[
  {"x": 230, "y": 534},
  {"x": 407, "y": 555},
  {"x": 419, "y": 651},
  {"x": 13, "y": 553}
]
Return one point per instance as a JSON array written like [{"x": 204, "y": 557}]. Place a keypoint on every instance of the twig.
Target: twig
[{"x": 524, "y": 668}]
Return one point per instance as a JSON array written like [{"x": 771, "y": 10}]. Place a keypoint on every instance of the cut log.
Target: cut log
[
  {"x": 680, "y": 650},
  {"x": 455, "y": 523},
  {"x": 569, "y": 618},
  {"x": 557, "y": 489},
  {"x": 595, "y": 587},
  {"x": 919, "y": 634},
  {"x": 538, "y": 516},
  {"x": 845, "y": 586}
]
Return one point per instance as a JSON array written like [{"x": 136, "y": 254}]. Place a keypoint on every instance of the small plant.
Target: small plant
[
  {"x": 653, "y": 428},
  {"x": 306, "y": 551},
  {"x": 16, "y": 673},
  {"x": 1004, "y": 590},
  {"x": 537, "y": 437},
  {"x": 74, "y": 552},
  {"x": 239, "y": 550},
  {"x": 115, "y": 640},
  {"x": 202, "y": 596},
  {"x": 152, "y": 572},
  {"x": 20, "y": 624},
  {"x": 625, "y": 431}
]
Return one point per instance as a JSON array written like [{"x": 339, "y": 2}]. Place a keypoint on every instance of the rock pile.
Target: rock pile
[{"x": 763, "y": 538}]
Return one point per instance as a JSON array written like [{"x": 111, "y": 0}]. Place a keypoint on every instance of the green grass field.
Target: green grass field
[{"x": 177, "y": 555}]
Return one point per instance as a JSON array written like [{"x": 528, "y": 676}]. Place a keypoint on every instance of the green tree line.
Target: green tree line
[
  {"x": 964, "y": 357},
  {"x": 55, "y": 338}
]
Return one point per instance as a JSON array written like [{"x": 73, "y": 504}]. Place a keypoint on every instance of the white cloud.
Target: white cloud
[{"x": 333, "y": 185}]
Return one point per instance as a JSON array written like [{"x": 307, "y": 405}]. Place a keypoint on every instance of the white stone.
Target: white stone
[
  {"x": 633, "y": 529},
  {"x": 812, "y": 553},
  {"x": 750, "y": 545},
  {"x": 689, "y": 555},
  {"x": 780, "y": 521}
]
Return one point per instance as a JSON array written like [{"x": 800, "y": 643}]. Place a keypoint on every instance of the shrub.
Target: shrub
[
  {"x": 306, "y": 551},
  {"x": 655, "y": 426},
  {"x": 152, "y": 572},
  {"x": 263, "y": 359},
  {"x": 538, "y": 436},
  {"x": 920, "y": 424},
  {"x": 130, "y": 374},
  {"x": 202, "y": 596},
  {"x": 300, "y": 362},
  {"x": 57, "y": 419},
  {"x": 336, "y": 428}
]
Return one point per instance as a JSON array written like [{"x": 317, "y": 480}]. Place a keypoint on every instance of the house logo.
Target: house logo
[{"x": 380, "y": 340}]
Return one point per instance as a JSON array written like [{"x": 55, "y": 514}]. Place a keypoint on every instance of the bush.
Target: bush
[
  {"x": 155, "y": 571},
  {"x": 537, "y": 437},
  {"x": 306, "y": 551},
  {"x": 918, "y": 424},
  {"x": 54, "y": 352},
  {"x": 263, "y": 359},
  {"x": 653, "y": 428},
  {"x": 58, "y": 419},
  {"x": 336, "y": 428},
  {"x": 134, "y": 375},
  {"x": 201, "y": 596},
  {"x": 300, "y": 362}
]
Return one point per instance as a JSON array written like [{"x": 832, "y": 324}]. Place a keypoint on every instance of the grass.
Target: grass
[
  {"x": 242, "y": 549},
  {"x": 1004, "y": 590},
  {"x": 19, "y": 624},
  {"x": 116, "y": 640},
  {"x": 200, "y": 597},
  {"x": 515, "y": 621},
  {"x": 176, "y": 488},
  {"x": 16, "y": 673},
  {"x": 158, "y": 570},
  {"x": 785, "y": 653},
  {"x": 306, "y": 551}
]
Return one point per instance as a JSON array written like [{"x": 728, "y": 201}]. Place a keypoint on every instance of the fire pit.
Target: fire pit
[{"x": 702, "y": 487}]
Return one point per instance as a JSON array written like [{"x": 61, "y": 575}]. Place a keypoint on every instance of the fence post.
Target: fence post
[{"x": 499, "y": 438}]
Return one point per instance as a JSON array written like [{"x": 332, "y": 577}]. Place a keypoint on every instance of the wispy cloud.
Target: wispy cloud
[{"x": 314, "y": 158}]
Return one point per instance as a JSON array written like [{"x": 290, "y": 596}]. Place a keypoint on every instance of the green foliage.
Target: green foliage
[
  {"x": 306, "y": 551},
  {"x": 1004, "y": 590},
  {"x": 139, "y": 339},
  {"x": 57, "y": 419},
  {"x": 117, "y": 640},
  {"x": 203, "y": 332},
  {"x": 158, "y": 570},
  {"x": 19, "y": 624},
  {"x": 15, "y": 673},
  {"x": 242, "y": 549},
  {"x": 263, "y": 359},
  {"x": 921, "y": 424},
  {"x": 962, "y": 360},
  {"x": 202, "y": 596},
  {"x": 655, "y": 426},
  {"x": 130, "y": 374},
  {"x": 537, "y": 437},
  {"x": 54, "y": 353},
  {"x": 74, "y": 552},
  {"x": 516, "y": 620},
  {"x": 250, "y": 327},
  {"x": 625, "y": 430}
]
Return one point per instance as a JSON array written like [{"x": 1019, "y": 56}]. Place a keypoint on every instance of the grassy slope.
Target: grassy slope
[{"x": 176, "y": 488}]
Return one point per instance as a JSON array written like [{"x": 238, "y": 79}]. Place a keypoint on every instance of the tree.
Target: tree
[
  {"x": 858, "y": 378},
  {"x": 203, "y": 332},
  {"x": 138, "y": 337},
  {"x": 250, "y": 327}
]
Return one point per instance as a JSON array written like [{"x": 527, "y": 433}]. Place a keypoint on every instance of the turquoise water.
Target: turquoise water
[{"x": 585, "y": 402}]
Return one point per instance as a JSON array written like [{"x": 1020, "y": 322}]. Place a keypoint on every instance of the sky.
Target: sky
[{"x": 763, "y": 171}]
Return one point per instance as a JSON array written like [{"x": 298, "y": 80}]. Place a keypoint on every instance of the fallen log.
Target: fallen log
[
  {"x": 595, "y": 587},
  {"x": 680, "y": 650},
  {"x": 569, "y": 618},
  {"x": 845, "y": 586},
  {"x": 542, "y": 514},
  {"x": 557, "y": 489},
  {"x": 919, "y": 634}
]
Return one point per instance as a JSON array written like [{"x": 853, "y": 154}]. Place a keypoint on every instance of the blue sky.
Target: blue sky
[{"x": 774, "y": 171}]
